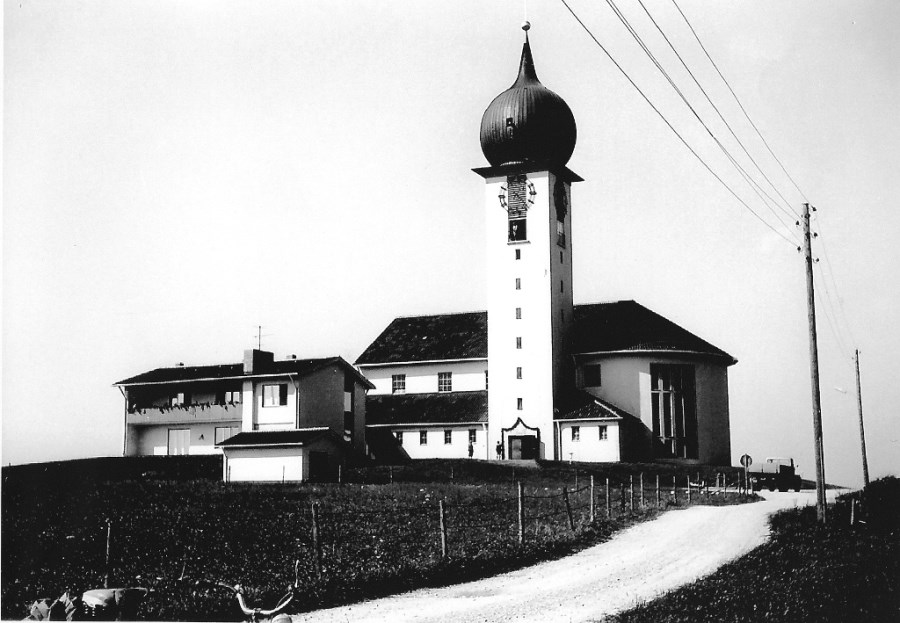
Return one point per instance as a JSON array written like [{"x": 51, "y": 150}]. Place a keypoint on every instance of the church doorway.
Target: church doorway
[{"x": 523, "y": 447}]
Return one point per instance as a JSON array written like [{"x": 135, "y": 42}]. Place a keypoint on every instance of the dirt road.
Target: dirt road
[{"x": 634, "y": 566}]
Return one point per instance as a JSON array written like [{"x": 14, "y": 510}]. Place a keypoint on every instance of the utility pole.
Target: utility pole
[
  {"x": 862, "y": 430},
  {"x": 814, "y": 368}
]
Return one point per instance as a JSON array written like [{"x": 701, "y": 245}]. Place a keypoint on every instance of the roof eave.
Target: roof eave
[{"x": 660, "y": 351}]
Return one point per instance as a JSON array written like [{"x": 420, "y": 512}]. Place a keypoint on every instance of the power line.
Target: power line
[
  {"x": 791, "y": 213},
  {"x": 736, "y": 99},
  {"x": 830, "y": 271},
  {"x": 666, "y": 121},
  {"x": 684, "y": 99}
]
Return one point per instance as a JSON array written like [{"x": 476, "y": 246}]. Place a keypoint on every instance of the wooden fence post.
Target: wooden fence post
[
  {"x": 657, "y": 492},
  {"x": 622, "y": 495},
  {"x": 631, "y": 492},
  {"x": 521, "y": 513},
  {"x": 608, "y": 510},
  {"x": 317, "y": 543},
  {"x": 108, "y": 548},
  {"x": 675, "y": 488},
  {"x": 852, "y": 511},
  {"x": 443, "y": 525},
  {"x": 688, "y": 478},
  {"x": 391, "y": 474},
  {"x": 642, "y": 489},
  {"x": 592, "y": 498},
  {"x": 565, "y": 493}
]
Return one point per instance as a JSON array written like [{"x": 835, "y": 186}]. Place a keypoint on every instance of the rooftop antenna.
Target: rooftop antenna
[{"x": 259, "y": 336}]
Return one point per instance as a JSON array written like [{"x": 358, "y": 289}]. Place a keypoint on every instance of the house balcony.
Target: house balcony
[{"x": 184, "y": 414}]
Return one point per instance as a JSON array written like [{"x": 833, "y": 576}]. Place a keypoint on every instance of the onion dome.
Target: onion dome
[{"x": 528, "y": 124}]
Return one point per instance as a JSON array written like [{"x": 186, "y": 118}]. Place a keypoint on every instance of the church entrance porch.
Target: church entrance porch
[
  {"x": 522, "y": 442},
  {"x": 522, "y": 447}
]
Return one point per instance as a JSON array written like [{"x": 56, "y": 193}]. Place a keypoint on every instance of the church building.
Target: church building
[{"x": 536, "y": 376}]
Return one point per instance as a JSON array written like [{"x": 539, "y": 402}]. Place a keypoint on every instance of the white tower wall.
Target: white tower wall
[{"x": 544, "y": 297}]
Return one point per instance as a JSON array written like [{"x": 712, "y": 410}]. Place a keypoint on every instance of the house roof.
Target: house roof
[
  {"x": 434, "y": 408},
  {"x": 297, "y": 437},
  {"x": 426, "y": 338},
  {"x": 598, "y": 328},
  {"x": 629, "y": 326},
  {"x": 297, "y": 367},
  {"x": 594, "y": 409}
]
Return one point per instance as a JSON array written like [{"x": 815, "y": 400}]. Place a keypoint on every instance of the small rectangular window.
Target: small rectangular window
[
  {"x": 445, "y": 381},
  {"x": 485, "y": 379},
  {"x": 448, "y": 437},
  {"x": 518, "y": 313},
  {"x": 473, "y": 435},
  {"x": 398, "y": 383},
  {"x": 518, "y": 254},
  {"x": 178, "y": 399},
  {"x": 399, "y": 436},
  {"x": 423, "y": 437},
  {"x": 562, "y": 287},
  {"x": 592, "y": 375},
  {"x": 518, "y": 283},
  {"x": 233, "y": 397},
  {"x": 576, "y": 433},
  {"x": 518, "y": 342},
  {"x": 274, "y": 395},
  {"x": 519, "y": 372},
  {"x": 517, "y": 230},
  {"x": 224, "y": 432},
  {"x": 519, "y": 404},
  {"x": 604, "y": 434},
  {"x": 561, "y": 260}
]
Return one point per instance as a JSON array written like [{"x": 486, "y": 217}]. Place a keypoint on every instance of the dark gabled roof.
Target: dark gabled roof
[
  {"x": 442, "y": 408},
  {"x": 629, "y": 326},
  {"x": 598, "y": 327},
  {"x": 298, "y": 367},
  {"x": 592, "y": 409},
  {"x": 298, "y": 437},
  {"x": 427, "y": 338}
]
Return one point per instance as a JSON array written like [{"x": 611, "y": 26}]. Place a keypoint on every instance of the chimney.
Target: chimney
[{"x": 257, "y": 361}]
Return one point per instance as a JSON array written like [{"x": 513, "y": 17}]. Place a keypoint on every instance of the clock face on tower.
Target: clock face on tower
[{"x": 517, "y": 195}]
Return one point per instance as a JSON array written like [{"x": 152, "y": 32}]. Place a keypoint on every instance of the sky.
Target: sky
[{"x": 176, "y": 174}]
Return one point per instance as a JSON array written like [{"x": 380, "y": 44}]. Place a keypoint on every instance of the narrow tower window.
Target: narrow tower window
[
  {"x": 518, "y": 283},
  {"x": 518, "y": 254},
  {"x": 518, "y": 313},
  {"x": 519, "y": 404},
  {"x": 519, "y": 372},
  {"x": 518, "y": 342}
]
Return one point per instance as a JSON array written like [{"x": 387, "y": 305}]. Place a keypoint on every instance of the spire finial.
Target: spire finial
[{"x": 526, "y": 26}]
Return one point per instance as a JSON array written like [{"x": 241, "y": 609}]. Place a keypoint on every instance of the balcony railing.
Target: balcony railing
[{"x": 184, "y": 414}]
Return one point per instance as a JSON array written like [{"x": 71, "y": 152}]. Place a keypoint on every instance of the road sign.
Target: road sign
[{"x": 746, "y": 460}]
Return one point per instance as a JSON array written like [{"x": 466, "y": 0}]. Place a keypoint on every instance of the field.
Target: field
[
  {"x": 379, "y": 531},
  {"x": 807, "y": 572}
]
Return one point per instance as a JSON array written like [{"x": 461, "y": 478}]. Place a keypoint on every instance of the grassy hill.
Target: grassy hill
[{"x": 379, "y": 530}]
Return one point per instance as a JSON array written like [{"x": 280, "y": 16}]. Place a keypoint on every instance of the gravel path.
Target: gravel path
[{"x": 635, "y": 566}]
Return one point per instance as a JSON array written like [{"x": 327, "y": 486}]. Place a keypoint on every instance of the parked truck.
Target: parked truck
[{"x": 775, "y": 472}]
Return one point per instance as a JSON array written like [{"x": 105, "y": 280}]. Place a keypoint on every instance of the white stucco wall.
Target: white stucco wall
[
  {"x": 589, "y": 447},
  {"x": 437, "y": 449},
  {"x": 422, "y": 378},
  {"x": 540, "y": 299},
  {"x": 626, "y": 384},
  {"x": 265, "y": 464},
  {"x": 155, "y": 439}
]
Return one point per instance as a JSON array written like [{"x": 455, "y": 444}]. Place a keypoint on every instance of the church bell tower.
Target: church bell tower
[{"x": 528, "y": 135}]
